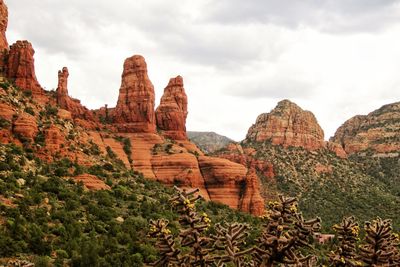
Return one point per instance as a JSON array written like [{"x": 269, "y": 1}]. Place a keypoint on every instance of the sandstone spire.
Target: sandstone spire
[
  {"x": 135, "y": 107},
  {"x": 172, "y": 112},
  {"x": 68, "y": 103},
  {"x": 62, "y": 88}
]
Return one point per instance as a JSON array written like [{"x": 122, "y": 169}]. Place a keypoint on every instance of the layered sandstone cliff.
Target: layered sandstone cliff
[
  {"x": 379, "y": 131},
  {"x": 68, "y": 103},
  {"x": 172, "y": 112},
  {"x": 288, "y": 125},
  {"x": 135, "y": 107},
  {"x": 25, "y": 126}
]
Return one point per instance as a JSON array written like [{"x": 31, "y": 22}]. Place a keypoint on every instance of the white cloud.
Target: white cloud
[{"x": 238, "y": 58}]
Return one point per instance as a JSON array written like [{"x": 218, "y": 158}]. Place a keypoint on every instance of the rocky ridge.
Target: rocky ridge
[
  {"x": 379, "y": 131},
  {"x": 209, "y": 142}
]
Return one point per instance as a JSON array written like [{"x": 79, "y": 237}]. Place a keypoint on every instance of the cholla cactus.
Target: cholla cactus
[
  {"x": 165, "y": 243},
  {"x": 347, "y": 233},
  {"x": 193, "y": 226},
  {"x": 230, "y": 239},
  {"x": 381, "y": 248},
  {"x": 284, "y": 234}
]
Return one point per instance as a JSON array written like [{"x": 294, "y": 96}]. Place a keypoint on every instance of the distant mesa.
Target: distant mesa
[{"x": 209, "y": 142}]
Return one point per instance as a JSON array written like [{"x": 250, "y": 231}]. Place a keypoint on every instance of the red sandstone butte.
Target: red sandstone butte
[
  {"x": 288, "y": 125},
  {"x": 135, "y": 107},
  {"x": 21, "y": 68},
  {"x": 172, "y": 112}
]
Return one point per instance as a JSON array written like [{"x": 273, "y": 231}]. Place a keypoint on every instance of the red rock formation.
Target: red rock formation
[
  {"x": 227, "y": 183},
  {"x": 288, "y": 125},
  {"x": 135, "y": 107},
  {"x": 3, "y": 26},
  {"x": 236, "y": 153},
  {"x": 337, "y": 149},
  {"x": 54, "y": 139},
  {"x": 180, "y": 169},
  {"x": 6, "y": 112},
  {"x": 25, "y": 126},
  {"x": 21, "y": 68},
  {"x": 252, "y": 202},
  {"x": 172, "y": 112},
  {"x": 3, "y": 39},
  {"x": 66, "y": 102},
  {"x": 91, "y": 182},
  {"x": 64, "y": 114},
  {"x": 379, "y": 131}
]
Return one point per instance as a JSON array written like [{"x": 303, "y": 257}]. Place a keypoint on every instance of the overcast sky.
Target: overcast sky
[{"x": 336, "y": 58}]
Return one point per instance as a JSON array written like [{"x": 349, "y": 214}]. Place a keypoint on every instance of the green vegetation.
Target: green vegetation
[
  {"x": 51, "y": 218},
  {"x": 365, "y": 187}
]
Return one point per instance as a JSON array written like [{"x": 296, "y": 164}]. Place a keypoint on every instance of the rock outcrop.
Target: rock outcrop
[
  {"x": 54, "y": 139},
  {"x": 6, "y": 112},
  {"x": 252, "y": 202},
  {"x": 91, "y": 182},
  {"x": 337, "y": 149},
  {"x": 227, "y": 182},
  {"x": 3, "y": 39},
  {"x": 25, "y": 126},
  {"x": 288, "y": 125},
  {"x": 135, "y": 107},
  {"x": 172, "y": 112},
  {"x": 68, "y": 103},
  {"x": 21, "y": 68},
  {"x": 3, "y": 25},
  {"x": 378, "y": 131}
]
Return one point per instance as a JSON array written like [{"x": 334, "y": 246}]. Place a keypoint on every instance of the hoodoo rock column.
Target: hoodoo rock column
[{"x": 135, "y": 107}]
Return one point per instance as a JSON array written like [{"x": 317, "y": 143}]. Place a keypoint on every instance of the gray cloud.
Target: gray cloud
[
  {"x": 278, "y": 88},
  {"x": 330, "y": 15}
]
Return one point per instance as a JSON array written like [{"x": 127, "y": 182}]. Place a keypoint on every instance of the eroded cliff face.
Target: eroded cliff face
[
  {"x": 172, "y": 112},
  {"x": 68, "y": 103},
  {"x": 25, "y": 126},
  {"x": 288, "y": 125},
  {"x": 3, "y": 39},
  {"x": 232, "y": 184},
  {"x": 135, "y": 107},
  {"x": 378, "y": 131}
]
